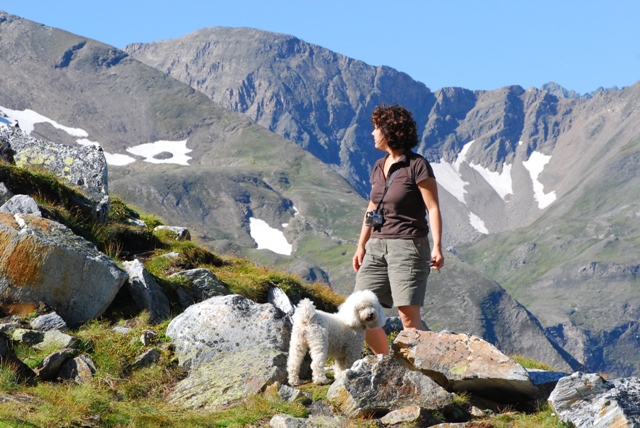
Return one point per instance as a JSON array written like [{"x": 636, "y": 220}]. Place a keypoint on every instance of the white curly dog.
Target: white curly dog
[{"x": 339, "y": 335}]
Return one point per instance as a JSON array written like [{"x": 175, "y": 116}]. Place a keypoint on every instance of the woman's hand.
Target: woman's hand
[
  {"x": 357, "y": 258},
  {"x": 437, "y": 259}
]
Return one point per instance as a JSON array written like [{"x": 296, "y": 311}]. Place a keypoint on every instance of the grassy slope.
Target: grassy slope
[{"x": 121, "y": 395}]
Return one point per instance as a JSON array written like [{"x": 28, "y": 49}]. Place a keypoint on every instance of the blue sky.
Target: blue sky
[{"x": 474, "y": 44}]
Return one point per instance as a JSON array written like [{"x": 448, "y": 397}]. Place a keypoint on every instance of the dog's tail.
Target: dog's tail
[{"x": 304, "y": 311}]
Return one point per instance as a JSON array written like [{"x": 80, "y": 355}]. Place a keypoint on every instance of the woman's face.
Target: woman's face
[{"x": 379, "y": 140}]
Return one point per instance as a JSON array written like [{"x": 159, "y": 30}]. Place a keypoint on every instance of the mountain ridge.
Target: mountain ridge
[
  {"x": 237, "y": 169},
  {"x": 501, "y": 157}
]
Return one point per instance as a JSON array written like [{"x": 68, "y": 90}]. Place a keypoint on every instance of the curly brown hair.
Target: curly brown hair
[{"x": 397, "y": 126}]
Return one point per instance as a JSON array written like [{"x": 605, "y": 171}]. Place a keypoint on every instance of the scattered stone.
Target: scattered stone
[
  {"x": 204, "y": 285},
  {"x": 82, "y": 167},
  {"x": 234, "y": 348},
  {"x": 50, "y": 367},
  {"x": 47, "y": 322},
  {"x": 150, "y": 357},
  {"x": 79, "y": 369},
  {"x": 8, "y": 327},
  {"x": 293, "y": 395},
  {"x": 287, "y": 421},
  {"x": 545, "y": 381},
  {"x": 282, "y": 420},
  {"x": 412, "y": 415},
  {"x": 278, "y": 298},
  {"x": 136, "y": 222},
  {"x": 587, "y": 400},
  {"x": 122, "y": 329},
  {"x": 54, "y": 339},
  {"x": 379, "y": 383},
  {"x": 182, "y": 233},
  {"x": 27, "y": 336},
  {"x": 21, "y": 204},
  {"x": 5, "y": 193},
  {"x": 227, "y": 324},
  {"x": 459, "y": 362},
  {"x": 146, "y": 292},
  {"x": 148, "y": 336}
]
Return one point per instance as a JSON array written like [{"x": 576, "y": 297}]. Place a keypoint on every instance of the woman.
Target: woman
[{"x": 393, "y": 255}]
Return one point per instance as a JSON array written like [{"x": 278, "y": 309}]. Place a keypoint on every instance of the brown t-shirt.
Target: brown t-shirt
[{"x": 403, "y": 208}]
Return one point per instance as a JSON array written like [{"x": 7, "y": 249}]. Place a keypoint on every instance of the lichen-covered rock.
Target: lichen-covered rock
[
  {"x": 44, "y": 261},
  {"x": 459, "y": 362},
  {"x": 379, "y": 384},
  {"x": 229, "y": 376},
  {"x": 84, "y": 167},
  {"x": 54, "y": 339},
  {"x": 234, "y": 347}
]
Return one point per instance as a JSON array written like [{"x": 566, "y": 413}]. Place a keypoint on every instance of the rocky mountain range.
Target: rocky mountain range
[
  {"x": 536, "y": 184},
  {"x": 537, "y": 188}
]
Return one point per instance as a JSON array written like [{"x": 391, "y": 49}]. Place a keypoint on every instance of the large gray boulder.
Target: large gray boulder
[
  {"x": 587, "y": 400},
  {"x": 44, "y": 261},
  {"x": 459, "y": 362},
  {"x": 380, "y": 384},
  {"x": 227, "y": 323},
  {"x": 234, "y": 348}
]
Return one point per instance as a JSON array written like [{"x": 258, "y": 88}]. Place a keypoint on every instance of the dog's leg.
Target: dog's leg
[
  {"x": 318, "y": 349},
  {"x": 297, "y": 350}
]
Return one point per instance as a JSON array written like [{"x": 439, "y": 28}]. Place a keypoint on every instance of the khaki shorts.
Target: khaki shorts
[{"x": 396, "y": 270}]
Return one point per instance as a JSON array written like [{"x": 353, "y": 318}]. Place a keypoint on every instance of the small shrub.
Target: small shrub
[{"x": 530, "y": 363}]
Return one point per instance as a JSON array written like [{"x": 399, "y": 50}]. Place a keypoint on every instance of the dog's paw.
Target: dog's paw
[
  {"x": 294, "y": 382},
  {"x": 322, "y": 381}
]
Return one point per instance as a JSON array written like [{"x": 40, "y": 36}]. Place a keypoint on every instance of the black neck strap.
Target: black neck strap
[{"x": 386, "y": 187}]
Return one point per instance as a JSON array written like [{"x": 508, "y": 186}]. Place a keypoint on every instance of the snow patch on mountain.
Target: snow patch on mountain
[
  {"x": 501, "y": 182},
  {"x": 268, "y": 238},
  {"x": 535, "y": 165},
  {"x": 449, "y": 176},
  {"x": 28, "y": 119},
  {"x": 478, "y": 224},
  {"x": 171, "y": 151},
  {"x": 176, "y": 152}
]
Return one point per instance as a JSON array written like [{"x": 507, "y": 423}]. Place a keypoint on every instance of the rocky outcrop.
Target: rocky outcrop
[
  {"x": 459, "y": 362},
  {"x": 82, "y": 167},
  {"x": 43, "y": 261},
  {"x": 380, "y": 384},
  {"x": 589, "y": 401}
]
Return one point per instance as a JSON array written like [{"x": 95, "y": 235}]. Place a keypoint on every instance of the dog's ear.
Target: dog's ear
[
  {"x": 382, "y": 318},
  {"x": 349, "y": 313}
]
